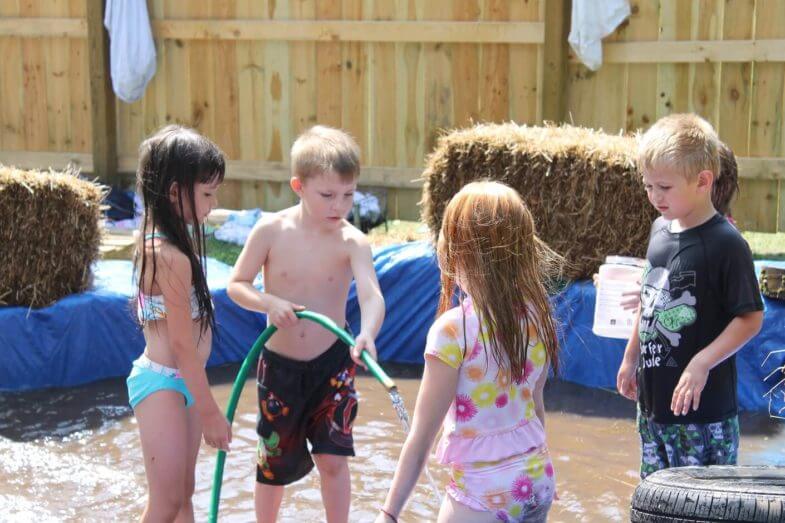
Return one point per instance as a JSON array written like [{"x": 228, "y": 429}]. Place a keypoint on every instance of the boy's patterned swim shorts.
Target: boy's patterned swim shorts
[{"x": 664, "y": 446}]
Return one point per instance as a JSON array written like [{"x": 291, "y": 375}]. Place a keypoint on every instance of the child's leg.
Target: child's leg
[
  {"x": 281, "y": 453},
  {"x": 453, "y": 512},
  {"x": 163, "y": 428},
  {"x": 186, "y": 514},
  {"x": 333, "y": 409},
  {"x": 267, "y": 502},
  {"x": 721, "y": 442},
  {"x": 336, "y": 486},
  {"x": 655, "y": 452}
]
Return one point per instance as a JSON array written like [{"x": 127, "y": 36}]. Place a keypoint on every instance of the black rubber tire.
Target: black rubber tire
[{"x": 716, "y": 493}]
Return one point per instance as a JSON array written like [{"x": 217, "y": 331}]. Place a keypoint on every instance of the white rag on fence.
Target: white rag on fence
[
  {"x": 131, "y": 47},
  {"x": 591, "y": 22}
]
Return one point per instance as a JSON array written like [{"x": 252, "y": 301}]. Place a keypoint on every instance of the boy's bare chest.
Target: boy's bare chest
[{"x": 308, "y": 263}]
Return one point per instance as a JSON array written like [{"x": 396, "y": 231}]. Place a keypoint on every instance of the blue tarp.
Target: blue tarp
[
  {"x": 593, "y": 361},
  {"x": 91, "y": 336}
]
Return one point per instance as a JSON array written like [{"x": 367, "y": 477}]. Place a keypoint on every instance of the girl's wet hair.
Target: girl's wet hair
[
  {"x": 180, "y": 155},
  {"x": 489, "y": 247}
]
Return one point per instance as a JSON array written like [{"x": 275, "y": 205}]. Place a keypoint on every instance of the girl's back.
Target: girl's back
[{"x": 493, "y": 414}]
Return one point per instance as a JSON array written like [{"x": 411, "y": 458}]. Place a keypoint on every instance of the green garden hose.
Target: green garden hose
[{"x": 242, "y": 375}]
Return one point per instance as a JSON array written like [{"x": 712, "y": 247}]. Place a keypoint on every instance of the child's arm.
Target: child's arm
[
  {"x": 370, "y": 298},
  {"x": 174, "y": 279},
  {"x": 738, "y": 332},
  {"x": 437, "y": 390},
  {"x": 539, "y": 402},
  {"x": 626, "y": 378},
  {"x": 240, "y": 289}
]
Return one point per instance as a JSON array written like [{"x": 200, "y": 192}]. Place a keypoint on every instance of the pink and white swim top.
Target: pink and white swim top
[{"x": 492, "y": 416}]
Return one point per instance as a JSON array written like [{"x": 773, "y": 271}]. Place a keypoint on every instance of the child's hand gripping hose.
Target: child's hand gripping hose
[{"x": 242, "y": 375}]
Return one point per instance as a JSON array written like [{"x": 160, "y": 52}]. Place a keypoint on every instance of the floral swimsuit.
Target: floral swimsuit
[{"x": 493, "y": 441}]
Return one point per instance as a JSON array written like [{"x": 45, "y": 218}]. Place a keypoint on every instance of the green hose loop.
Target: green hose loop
[{"x": 242, "y": 375}]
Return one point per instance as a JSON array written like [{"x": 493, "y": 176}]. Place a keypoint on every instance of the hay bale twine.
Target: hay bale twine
[
  {"x": 50, "y": 235},
  {"x": 581, "y": 185}
]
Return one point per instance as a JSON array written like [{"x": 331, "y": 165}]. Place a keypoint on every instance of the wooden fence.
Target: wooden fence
[
  {"x": 252, "y": 74},
  {"x": 723, "y": 59}
]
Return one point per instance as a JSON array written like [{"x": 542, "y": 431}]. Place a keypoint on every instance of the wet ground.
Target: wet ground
[{"x": 73, "y": 454}]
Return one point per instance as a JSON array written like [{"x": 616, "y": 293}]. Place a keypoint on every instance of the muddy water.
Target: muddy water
[{"x": 74, "y": 455}]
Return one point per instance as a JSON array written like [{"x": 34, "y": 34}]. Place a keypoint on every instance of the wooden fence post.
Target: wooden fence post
[
  {"x": 102, "y": 100},
  {"x": 781, "y": 207},
  {"x": 557, "y": 27}
]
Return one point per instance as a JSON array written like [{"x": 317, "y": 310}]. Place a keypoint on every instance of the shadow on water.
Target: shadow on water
[
  {"x": 58, "y": 413},
  {"x": 61, "y": 412}
]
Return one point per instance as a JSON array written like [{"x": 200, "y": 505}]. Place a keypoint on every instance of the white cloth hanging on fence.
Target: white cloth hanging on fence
[
  {"x": 591, "y": 22},
  {"x": 131, "y": 47}
]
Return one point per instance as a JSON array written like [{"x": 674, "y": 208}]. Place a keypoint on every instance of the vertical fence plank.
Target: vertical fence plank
[
  {"x": 156, "y": 113},
  {"x": 736, "y": 79},
  {"x": 598, "y": 98},
  {"x": 279, "y": 106},
  {"x": 466, "y": 68},
  {"x": 303, "y": 96},
  {"x": 276, "y": 95},
  {"x": 705, "y": 77},
  {"x": 410, "y": 95},
  {"x": 11, "y": 85},
  {"x": 79, "y": 91},
  {"x": 781, "y": 207},
  {"x": 759, "y": 199},
  {"x": 733, "y": 125},
  {"x": 356, "y": 110},
  {"x": 58, "y": 84},
  {"x": 225, "y": 91},
  {"x": 556, "y": 86},
  {"x": 250, "y": 67},
  {"x": 673, "y": 79},
  {"x": 494, "y": 71},
  {"x": 103, "y": 116},
  {"x": 382, "y": 95},
  {"x": 329, "y": 66},
  {"x": 526, "y": 68},
  {"x": 250, "y": 77},
  {"x": 641, "y": 109},
  {"x": 302, "y": 56},
  {"x": 609, "y": 108},
  {"x": 438, "y": 77},
  {"x": 34, "y": 87},
  {"x": 178, "y": 75},
  {"x": 766, "y": 105},
  {"x": 203, "y": 74}
]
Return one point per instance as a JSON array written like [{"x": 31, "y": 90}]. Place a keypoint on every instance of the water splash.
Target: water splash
[{"x": 400, "y": 410}]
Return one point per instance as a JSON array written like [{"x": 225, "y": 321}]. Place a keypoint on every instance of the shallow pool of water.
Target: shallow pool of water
[{"x": 74, "y": 454}]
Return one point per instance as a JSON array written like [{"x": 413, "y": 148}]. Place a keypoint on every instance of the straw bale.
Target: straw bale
[
  {"x": 50, "y": 235},
  {"x": 581, "y": 185}
]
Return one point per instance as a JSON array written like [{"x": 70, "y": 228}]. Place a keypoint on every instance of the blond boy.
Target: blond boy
[
  {"x": 309, "y": 255},
  {"x": 699, "y": 305}
]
